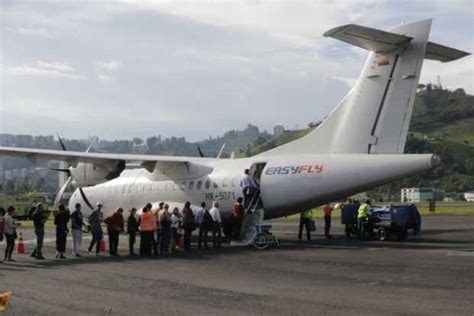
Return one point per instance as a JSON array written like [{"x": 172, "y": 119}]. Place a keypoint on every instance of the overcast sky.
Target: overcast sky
[{"x": 120, "y": 70}]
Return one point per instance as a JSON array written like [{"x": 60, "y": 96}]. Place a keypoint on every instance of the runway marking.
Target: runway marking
[
  {"x": 461, "y": 253},
  {"x": 370, "y": 284},
  {"x": 48, "y": 240}
]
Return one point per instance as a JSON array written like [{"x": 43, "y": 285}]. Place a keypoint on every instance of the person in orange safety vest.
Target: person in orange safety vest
[{"x": 147, "y": 229}]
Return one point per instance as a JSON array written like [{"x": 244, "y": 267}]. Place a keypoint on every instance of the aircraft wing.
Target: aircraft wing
[{"x": 149, "y": 162}]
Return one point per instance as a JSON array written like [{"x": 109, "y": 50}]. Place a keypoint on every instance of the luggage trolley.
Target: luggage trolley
[{"x": 264, "y": 238}]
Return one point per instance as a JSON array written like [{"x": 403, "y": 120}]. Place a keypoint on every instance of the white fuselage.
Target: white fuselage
[{"x": 288, "y": 184}]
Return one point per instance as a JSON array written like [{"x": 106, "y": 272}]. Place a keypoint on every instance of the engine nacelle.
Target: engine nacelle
[{"x": 88, "y": 174}]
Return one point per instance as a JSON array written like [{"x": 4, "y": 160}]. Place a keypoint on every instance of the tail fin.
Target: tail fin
[{"x": 375, "y": 115}]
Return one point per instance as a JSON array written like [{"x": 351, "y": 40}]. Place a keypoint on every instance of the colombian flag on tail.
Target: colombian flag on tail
[
  {"x": 4, "y": 298},
  {"x": 383, "y": 60}
]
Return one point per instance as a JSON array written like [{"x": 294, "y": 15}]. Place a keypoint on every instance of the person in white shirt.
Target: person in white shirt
[
  {"x": 176, "y": 222},
  {"x": 216, "y": 225},
  {"x": 248, "y": 186},
  {"x": 10, "y": 232}
]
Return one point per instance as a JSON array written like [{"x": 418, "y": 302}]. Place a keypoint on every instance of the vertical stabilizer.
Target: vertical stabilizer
[{"x": 375, "y": 115}]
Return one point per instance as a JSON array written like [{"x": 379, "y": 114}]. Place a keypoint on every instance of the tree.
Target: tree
[
  {"x": 38, "y": 184},
  {"x": 151, "y": 141}
]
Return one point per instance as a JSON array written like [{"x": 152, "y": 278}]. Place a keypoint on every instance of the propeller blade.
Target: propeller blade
[
  {"x": 84, "y": 197},
  {"x": 200, "y": 151},
  {"x": 221, "y": 151},
  {"x": 90, "y": 147},
  {"x": 61, "y": 143},
  {"x": 60, "y": 194}
]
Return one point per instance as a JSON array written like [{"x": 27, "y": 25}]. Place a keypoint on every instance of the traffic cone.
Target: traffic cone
[
  {"x": 102, "y": 245},
  {"x": 20, "y": 248},
  {"x": 4, "y": 298}
]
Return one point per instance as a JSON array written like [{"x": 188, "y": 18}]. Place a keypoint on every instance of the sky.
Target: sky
[{"x": 194, "y": 69}]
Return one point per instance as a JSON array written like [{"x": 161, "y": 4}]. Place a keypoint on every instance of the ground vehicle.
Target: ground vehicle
[
  {"x": 384, "y": 221},
  {"x": 22, "y": 203},
  {"x": 396, "y": 220}
]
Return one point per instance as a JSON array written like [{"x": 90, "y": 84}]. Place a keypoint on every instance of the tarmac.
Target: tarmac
[{"x": 432, "y": 274}]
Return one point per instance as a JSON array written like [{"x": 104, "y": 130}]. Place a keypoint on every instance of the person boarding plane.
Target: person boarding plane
[{"x": 358, "y": 146}]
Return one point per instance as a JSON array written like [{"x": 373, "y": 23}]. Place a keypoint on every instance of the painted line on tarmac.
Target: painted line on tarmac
[
  {"x": 48, "y": 240},
  {"x": 305, "y": 245},
  {"x": 461, "y": 253}
]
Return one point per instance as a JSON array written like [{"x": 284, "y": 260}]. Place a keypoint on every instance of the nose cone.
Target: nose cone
[{"x": 435, "y": 161}]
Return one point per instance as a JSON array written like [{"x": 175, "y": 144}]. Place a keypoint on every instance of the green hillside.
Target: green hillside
[{"x": 442, "y": 123}]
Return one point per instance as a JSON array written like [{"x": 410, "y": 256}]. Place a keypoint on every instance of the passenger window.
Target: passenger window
[
  {"x": 175, "y": 186},
  {"x": 208, "y": 184},
  {"x": 234, "y": 182},
  {"x": 199, "y": 185},
  {"x": 215, "y": 185},
  {"x": 224, "y": 183},
  {"x": 191, "y": 185},
  {"x": 183, "y": 185}
]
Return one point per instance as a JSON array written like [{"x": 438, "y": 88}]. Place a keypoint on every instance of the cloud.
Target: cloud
[
  {"x": 196, "y": 69},
  {"x": 38, "y": 32},
  {"x": 110, "y": 65},
  {"x": 104, "y": 78},
  {"x": 45, "y": 69}
]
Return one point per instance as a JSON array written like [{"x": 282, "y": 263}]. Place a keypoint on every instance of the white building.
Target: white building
[
  {"x": 469, "y": 196},
  {"x": 278, "y": 130},
  {"x": 414, "y": 195}
]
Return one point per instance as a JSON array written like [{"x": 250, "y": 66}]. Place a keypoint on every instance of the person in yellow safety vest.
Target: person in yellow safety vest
[
  {"x": 305, "y": 221},
  {"x": 363, "y": 217},
  {"x": 147, "y": 229}
]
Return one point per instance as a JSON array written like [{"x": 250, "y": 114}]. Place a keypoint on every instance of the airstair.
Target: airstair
[{"x": 253, "y": 231}]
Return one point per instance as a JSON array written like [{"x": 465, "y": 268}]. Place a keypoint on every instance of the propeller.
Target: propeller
[
  {"x": 69, "y": 180},
  {"x": 221, "y": 150},
  {"x": 200, "y": 152}
]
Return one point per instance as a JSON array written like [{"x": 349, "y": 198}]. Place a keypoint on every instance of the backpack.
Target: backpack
[
  {"x": 207, "y": 219},
  {"x": 164, "y": 223}
]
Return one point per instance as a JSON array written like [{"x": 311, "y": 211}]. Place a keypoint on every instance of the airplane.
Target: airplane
[{"x": 359, "y": 145}]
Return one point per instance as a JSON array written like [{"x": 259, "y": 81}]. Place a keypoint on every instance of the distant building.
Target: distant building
[
  {"x": 421, "y": 195},
  {"x": 469, "y": 196},
  {"x": 8, "y": 175},
  {"x": 278, "y": 130}
]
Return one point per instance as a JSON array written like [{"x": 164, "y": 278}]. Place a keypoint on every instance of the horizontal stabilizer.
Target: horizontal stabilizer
[
  {"x": 443, "y": 53},
  {"x": 369, "y": 38}
]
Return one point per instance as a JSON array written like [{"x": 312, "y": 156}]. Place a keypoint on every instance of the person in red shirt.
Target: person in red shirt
[
  {"x": 115, "y": 225},
  {"x": 327, "y": 220},
  {"x": 238, "y": 214}
]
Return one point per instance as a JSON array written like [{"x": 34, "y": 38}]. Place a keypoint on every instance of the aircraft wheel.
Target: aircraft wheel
[{"x": 382, "y": 234}]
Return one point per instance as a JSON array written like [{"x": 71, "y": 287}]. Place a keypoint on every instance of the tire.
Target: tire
[
  {"x": 261, "y": 241},
  {"x": 382, "y": 234}
]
